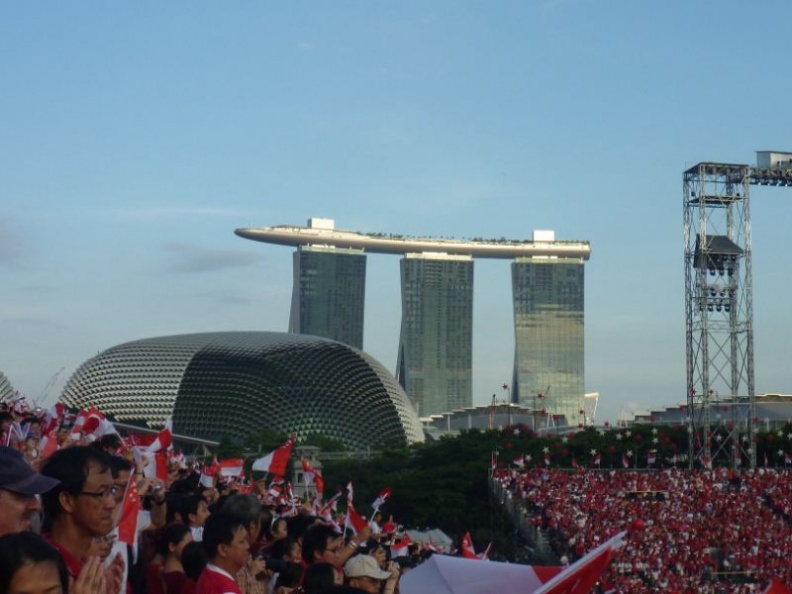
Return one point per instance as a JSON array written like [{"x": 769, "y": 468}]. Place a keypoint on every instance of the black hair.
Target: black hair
[
  {"x": 297, "y": 525},
  {"x": 281, "y": 547},
  {"x": 111, "y": 441},
  {"x": 318, "y": 578},
  {"x": 175, "y": 503},
  {"x": 21, "y": 548},
  {"x": 220, "y": 529},
  {"x": 291, "y": 576},
  {"x": 190, "y": 505},
  {"x": 171, "y": 534},
  {"x": 315, "y": 540},
  {"x": 70, "y": 466},
  {"x": 194, "y": 559},
  {"x": 118, "y": 465},
  {"x": 267, "y": 521},
  {"x": 187, "y": 485}
]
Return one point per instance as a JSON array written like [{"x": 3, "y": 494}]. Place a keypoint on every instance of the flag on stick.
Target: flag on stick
[
  {"x": 275, "y": 462},
  {"x": 382, "y": 497}
]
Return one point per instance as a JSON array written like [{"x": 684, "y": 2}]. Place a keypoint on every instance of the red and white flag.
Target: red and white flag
[
  {"x": 468, "y": 552},
  {"x": 625, "y": 461},
  {"x": 91, "y": 423},
  {"x": 382, "y": 497},
  {"x": 232, "y": 467},
  {"x": 209, "y": 474},
  {"x": 53, "y": 418},
  {"x": 580, "y": 577},
  {"x": 128, "y": 524},
  {"x": 519, "y": 461},
  {"x": 156, "y": 466},
  {"x": 164, "y": 439},
  {"x": 275, "y": 462},
  {"x": 354, "y": 520},
  {"x": 401, "y": 548},
  {"x": 312, "y": 476},
  {"x": 48, "y": 445}
]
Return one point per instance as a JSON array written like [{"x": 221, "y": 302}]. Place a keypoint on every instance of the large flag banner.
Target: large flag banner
[
  {"x": 580, "y": 577},
  {"x": 443, "y": 574},
  {"x": 776, "y": 587}
]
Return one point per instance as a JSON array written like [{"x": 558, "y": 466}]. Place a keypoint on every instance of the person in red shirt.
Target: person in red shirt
[
  {"x": 226, "y": 543},
  {"x": 80, "y": 508}
]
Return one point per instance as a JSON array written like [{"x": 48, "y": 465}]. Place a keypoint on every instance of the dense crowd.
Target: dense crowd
[
  {"x": 94, "y": 513},
  {"x": 82, "y": 511},
  {"x": 700, "y": 531}
]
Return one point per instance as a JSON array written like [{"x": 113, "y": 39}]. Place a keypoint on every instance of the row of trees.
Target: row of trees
[{"x": 443, "y": 483}]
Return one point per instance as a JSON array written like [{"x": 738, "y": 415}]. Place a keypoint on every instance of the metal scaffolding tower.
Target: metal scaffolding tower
[{"x": 719, "y": 306}]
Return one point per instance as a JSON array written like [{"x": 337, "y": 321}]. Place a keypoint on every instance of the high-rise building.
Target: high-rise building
[
  {"x": 435, "y": 347},
  {"x": 548, "y": 324},
  {"x": 328, "y": 294}
]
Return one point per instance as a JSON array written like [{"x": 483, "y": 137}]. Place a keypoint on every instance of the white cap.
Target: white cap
[{"x": 365, "y": 566}]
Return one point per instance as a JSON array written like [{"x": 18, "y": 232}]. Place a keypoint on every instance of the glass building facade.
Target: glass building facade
[
  {"x": 435, "y": 347},
  {"x": 548, "y": 322},
  {"x": 328, "y": 294}
]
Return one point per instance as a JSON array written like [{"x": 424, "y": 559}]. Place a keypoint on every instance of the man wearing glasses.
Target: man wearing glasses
[{"x": 81, "y": 506}]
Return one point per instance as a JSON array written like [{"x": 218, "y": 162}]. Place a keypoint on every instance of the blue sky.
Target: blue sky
[{"x": 135, "y": 137}]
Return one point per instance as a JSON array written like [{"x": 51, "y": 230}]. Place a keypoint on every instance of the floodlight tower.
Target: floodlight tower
[
  {"x": 719, "y": 308},
  {"x": 719, "y": 303}
]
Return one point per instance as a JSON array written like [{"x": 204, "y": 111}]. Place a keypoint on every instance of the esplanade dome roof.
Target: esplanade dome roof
[{"x": 238, "y": 383}]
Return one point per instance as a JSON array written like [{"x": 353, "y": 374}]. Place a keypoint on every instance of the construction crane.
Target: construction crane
[{"x": 53, "y": 381}]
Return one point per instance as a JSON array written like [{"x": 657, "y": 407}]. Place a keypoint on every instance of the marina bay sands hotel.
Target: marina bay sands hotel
[{"x": 435, "y": 347}]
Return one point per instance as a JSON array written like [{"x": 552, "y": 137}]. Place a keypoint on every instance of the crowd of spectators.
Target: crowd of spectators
[
  {"x": 690, "y": 531},
  {"x": 65, "y": 513},
  {"x": 64, "y": 500}
]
